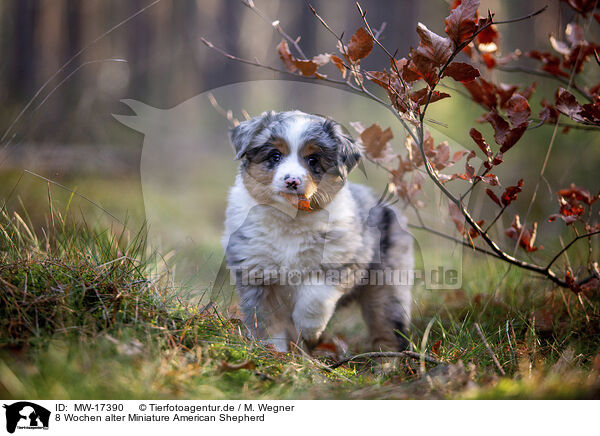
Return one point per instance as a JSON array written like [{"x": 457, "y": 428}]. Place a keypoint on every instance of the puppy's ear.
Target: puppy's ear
[
  {"x": 349, "y": 154},
  {"x": 241, "y": 136}
]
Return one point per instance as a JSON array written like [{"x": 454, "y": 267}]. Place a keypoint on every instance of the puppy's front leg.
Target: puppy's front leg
[
  {"x": 266, "y": 317},
  {"x": 314, "y": 306}
]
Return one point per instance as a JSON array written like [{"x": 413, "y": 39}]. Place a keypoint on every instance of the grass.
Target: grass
[{"x": 91, "y": 313}]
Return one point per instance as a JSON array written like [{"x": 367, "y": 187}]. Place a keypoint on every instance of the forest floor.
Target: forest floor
[{"x": 87, "y": 314}]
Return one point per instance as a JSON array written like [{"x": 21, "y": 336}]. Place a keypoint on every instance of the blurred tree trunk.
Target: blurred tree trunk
[{"x": 24, "y": 53}]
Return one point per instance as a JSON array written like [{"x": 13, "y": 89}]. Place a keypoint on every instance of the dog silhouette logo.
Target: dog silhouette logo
[{"x": 26, "y": 415}]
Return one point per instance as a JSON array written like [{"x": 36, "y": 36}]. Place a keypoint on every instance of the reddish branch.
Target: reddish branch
[{"x": 407, "y": 110}]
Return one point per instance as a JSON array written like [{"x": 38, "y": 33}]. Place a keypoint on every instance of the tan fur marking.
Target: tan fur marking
[
  {"x": 308, "y": 149},
  {"x": 258, "y": 182},
  {"x": 282, "y": 146},
  {"x": 321, "y": 191}
]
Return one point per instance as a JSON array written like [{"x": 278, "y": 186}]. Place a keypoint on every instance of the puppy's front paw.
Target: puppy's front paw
[
  {"x": 310, "y": 331},
  {"x": 312, "y": 343},
  {"x": 313, "y": 310}
]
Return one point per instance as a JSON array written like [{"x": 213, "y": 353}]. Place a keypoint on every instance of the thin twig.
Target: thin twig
[
  {"x": 276, "y": 25},
  {"x": 411, "y": 354},
  {"x": 489, "y": 350},
  {"x": 510, "y": 346},
  {"x": 375, "y": 37},
  {"x": 266, "y": 67},
  {"x": 566, "y": 247},
  {"x": 523, "y": 18},
  {"x": 361, "y": 85},
  {"x": 539, "y": 122},
  {"x": 534, "y": 72},
  {"x": 496, "y": 218},
  {"x": 317, "y": 363}
]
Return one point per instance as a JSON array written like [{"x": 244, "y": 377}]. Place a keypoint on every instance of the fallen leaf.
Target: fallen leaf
[
  {"x": 435, "y": 348},
  {"x": 226, "y": 366}
]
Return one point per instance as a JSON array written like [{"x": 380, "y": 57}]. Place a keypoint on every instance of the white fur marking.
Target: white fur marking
[{"x": 314, "y": 307}]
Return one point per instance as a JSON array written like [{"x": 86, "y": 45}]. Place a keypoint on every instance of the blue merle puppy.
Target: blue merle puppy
[{"x": 300, "y": 240}]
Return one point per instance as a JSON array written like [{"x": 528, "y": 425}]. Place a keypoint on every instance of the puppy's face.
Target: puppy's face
[{"x": 293, "y": 157}]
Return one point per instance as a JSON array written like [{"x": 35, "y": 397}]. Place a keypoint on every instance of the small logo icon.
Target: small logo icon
[{"x": 26, "y": 415}]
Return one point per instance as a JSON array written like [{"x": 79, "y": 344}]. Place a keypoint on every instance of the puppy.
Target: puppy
[{"x": 300, "y": 240}]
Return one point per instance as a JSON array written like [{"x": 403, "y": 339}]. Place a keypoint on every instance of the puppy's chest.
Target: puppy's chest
[{"x": 294, "y": 245}]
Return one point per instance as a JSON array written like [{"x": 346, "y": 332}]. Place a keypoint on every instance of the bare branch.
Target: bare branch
[
  {"x": 266, "y": 67},
  {"x": 452, "y": 238},
  {"x": 375, "y": 37}
]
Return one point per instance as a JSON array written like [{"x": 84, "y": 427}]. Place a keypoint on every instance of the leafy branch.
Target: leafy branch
[{"x": 508, "y": 112}]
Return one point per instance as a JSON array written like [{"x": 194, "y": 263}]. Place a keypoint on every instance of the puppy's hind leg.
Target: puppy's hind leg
[{"x": 386, "y": 310}]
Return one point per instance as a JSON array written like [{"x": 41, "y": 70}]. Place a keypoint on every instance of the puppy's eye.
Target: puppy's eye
[
  {"x": 275, "y": 157},
  {"x": 312, "y": 161}
]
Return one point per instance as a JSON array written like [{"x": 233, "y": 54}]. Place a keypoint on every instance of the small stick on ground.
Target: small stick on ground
[
  {"x": 512, "y": 350},
  {"x": 315, "y": 362},
  {"x": 411, "y": 354},
  {"x": 488, "y": 348}
]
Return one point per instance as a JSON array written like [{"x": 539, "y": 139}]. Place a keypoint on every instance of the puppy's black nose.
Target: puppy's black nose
[{"x": 291, "y": 182}]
